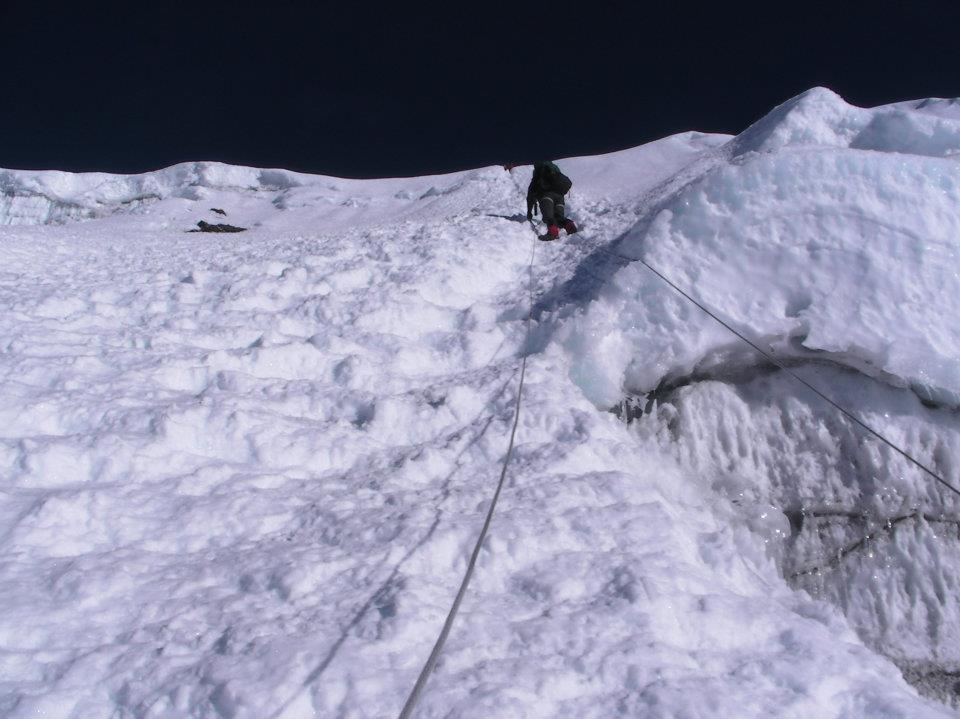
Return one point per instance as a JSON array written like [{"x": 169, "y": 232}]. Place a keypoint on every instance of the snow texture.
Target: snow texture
[{"x": 242, "y": 474}]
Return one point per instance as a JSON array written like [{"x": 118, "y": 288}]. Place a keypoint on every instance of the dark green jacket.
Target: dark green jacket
[{"x": 546, "y": 175}]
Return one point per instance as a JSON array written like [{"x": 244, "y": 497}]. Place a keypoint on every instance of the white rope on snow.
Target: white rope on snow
[{"x": 411, "y": 703}]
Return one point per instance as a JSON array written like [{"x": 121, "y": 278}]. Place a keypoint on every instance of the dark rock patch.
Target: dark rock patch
[{"x": 207, "y": 227}]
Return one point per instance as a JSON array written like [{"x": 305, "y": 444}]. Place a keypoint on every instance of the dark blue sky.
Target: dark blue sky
[{"x": 370, "y": 89}]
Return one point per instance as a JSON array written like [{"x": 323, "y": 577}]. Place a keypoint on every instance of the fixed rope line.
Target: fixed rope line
[
  {"x": 414, "y": 697},
  {"x": 799, "y": 379},
  {"x": 888, "y": 525}
]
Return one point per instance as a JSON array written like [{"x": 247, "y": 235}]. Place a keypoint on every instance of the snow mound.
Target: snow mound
[
  {"x": 816, "y": 117},
  {"x": 820, "y": 234},
  {"x": 820, "y": 117}
]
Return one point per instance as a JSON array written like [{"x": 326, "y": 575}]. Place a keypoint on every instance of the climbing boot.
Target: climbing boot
[
  {"x": 552, "y": 233},
  {"x": 569, "y": 226}
]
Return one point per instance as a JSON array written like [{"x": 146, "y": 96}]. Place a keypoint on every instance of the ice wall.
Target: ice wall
[{"x": 830, "y": 235}]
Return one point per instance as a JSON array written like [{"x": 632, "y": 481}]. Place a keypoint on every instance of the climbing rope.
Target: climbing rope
[
  {"x": 887, "y": 526},
  {"x": 797, "y": 377},
  {"x": 414, "y": 697}
]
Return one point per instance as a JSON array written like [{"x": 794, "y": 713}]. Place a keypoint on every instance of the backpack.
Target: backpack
[{"x": 556, "y": 180}]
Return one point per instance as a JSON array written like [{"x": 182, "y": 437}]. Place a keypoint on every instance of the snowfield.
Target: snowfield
[{"x": 241, "y": 474}]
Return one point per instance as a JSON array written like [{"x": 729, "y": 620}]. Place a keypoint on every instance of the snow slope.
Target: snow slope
[{"x": 242, "y": 474}]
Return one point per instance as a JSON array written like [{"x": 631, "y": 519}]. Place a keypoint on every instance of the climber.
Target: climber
[{"x": 547, "y": 188}]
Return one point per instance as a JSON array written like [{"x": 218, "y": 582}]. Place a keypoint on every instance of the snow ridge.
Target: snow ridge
[{"x": 55, "y": 197}]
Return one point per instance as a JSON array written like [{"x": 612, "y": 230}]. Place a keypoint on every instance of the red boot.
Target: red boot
[
  {"x": 569, "y": 226},
  {"x": 552, "y": 233}
]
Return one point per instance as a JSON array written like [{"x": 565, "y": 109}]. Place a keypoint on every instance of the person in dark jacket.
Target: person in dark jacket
[{"x": 547, "y": 188}]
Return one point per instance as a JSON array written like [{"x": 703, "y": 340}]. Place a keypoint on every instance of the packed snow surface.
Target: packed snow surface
[{"x": 242, "y": 474}]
